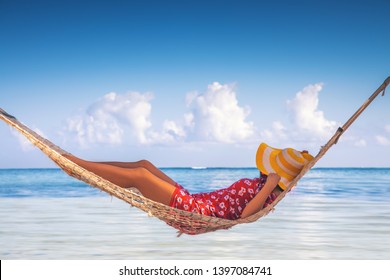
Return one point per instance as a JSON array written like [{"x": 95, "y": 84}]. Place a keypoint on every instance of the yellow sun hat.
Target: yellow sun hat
[{"x": 287, "y": 163}]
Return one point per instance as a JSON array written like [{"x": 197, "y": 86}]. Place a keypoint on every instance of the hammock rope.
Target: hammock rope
[{"x": 183, "y": 221}]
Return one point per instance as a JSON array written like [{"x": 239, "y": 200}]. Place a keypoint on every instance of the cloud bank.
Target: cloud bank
[{"x": 212, "y": 116}]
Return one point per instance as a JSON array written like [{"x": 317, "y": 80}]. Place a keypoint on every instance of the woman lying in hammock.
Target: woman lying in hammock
[{"x": 242, "y": 199}]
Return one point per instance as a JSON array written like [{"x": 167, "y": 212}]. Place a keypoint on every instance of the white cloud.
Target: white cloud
[
  {"x": 170, "y": 133},
  {"x": 105, "y": 119},
  {"x": 306, "y": 122},
  {"x": 360, "y": 143},
  {"x": 276, "y": 133},
  {"x": 382, "y": 140},
  {"x": 307, "y": 119},
  {"x": 216, "y": 115}
]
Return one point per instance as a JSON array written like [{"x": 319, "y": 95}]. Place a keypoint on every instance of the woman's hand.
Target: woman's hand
[
  {"x": 273, "y": 178},
  {"x": 257, "y": 203}
]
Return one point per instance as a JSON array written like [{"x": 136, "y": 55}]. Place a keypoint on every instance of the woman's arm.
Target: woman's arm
[{"x": 257, "y": 203}]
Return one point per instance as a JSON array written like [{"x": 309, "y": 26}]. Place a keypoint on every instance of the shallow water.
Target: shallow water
[{"x": 332, "y": 214}]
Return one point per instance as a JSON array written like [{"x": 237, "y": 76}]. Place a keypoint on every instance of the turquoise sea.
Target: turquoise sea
[{"x": 335, "y": 213}]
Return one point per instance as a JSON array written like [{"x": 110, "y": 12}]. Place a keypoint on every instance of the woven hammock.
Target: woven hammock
[{"x": 185, "y": 222}]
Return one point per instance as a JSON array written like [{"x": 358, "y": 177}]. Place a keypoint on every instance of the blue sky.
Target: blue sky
[{"x": 194, "y": 83}]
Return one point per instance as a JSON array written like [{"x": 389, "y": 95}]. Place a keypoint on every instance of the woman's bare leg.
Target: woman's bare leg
[
  {"x": 145, "y": 164},
  {"x": 150, "y": 185}
]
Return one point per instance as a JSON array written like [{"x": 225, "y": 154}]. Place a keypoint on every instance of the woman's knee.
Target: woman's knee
[
  {"x": 139, "y": 172},
  {"x": 145, "y": 164}
]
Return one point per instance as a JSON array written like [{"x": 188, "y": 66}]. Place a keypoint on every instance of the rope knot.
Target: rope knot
[{"x": 386, "y": 83}]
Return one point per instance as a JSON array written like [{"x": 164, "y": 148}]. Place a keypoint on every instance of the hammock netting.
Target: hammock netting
[{"x": 183, "y": 221}]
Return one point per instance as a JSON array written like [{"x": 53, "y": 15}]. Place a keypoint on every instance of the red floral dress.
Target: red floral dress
[{"x": 225, "y": 203}]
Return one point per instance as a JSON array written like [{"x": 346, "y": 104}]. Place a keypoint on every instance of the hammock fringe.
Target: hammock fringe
[{"x": 185, "y": 222}]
